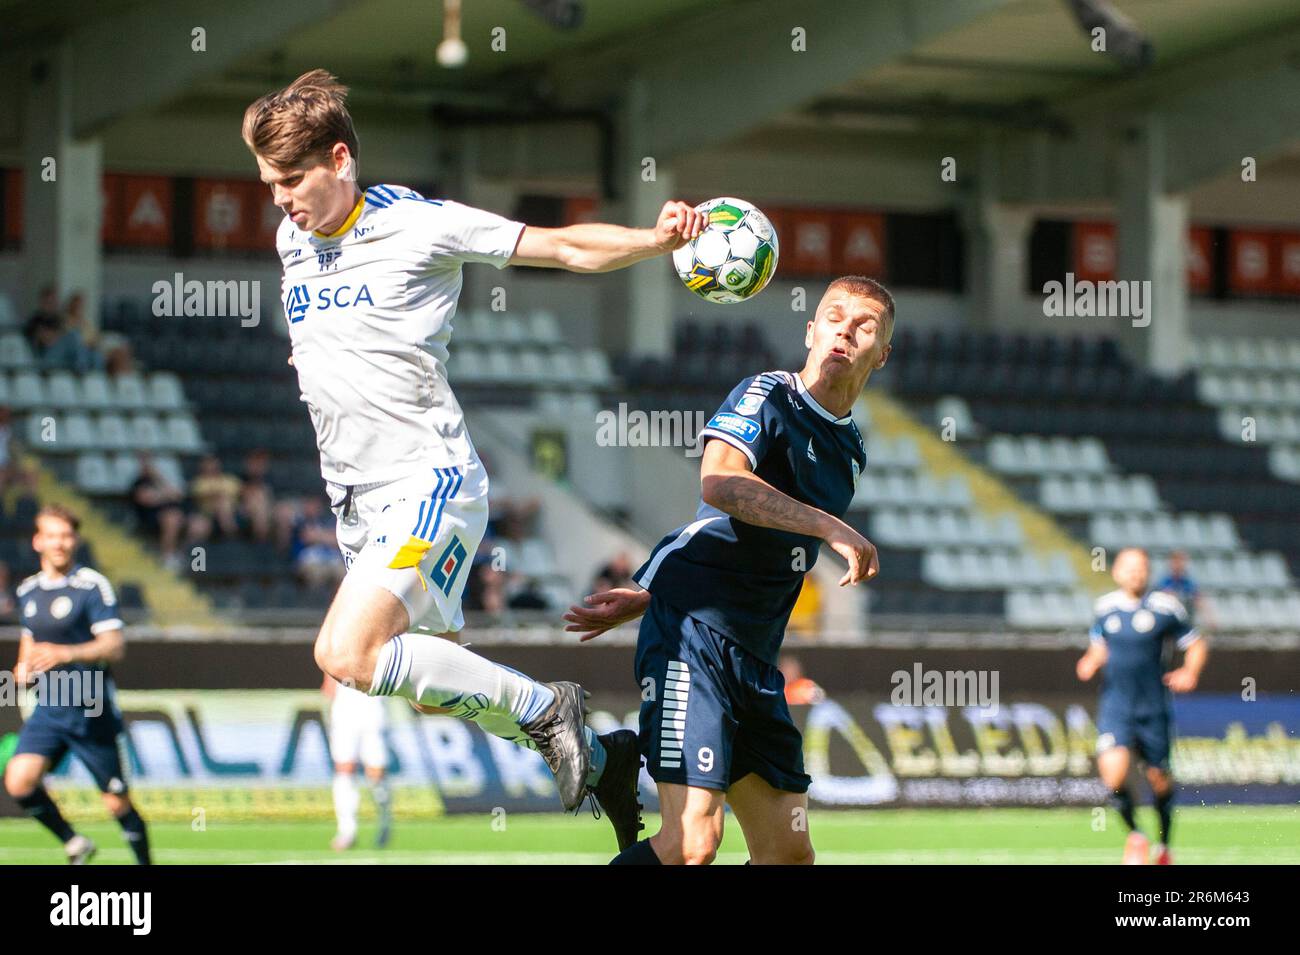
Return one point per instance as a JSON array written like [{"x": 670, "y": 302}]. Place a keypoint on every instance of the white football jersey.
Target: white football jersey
[{"x": 369, "y": 311}]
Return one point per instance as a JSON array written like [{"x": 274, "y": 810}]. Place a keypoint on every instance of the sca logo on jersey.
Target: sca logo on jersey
[
  {"x": 299, "y": 301},
  {"x": 742, "y": 428}
]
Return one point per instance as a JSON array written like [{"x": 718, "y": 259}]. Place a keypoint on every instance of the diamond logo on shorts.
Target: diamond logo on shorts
[{"x": 448, "y": 567}]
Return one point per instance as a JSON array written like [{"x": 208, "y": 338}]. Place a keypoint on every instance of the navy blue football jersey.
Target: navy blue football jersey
[
  {"x": 1140, "y": 636},
  {"x": 740, "y": 579},
  {"x": 72, "y": 609}
]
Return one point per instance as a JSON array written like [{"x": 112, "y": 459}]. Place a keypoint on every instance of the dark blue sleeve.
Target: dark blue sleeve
[{"x": 748, "y": 420}]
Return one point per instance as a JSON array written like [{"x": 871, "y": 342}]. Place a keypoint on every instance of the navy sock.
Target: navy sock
[
  {"x": 637, "y": 854},
  {"x": 137, "y": 837},
  {"x": 1165, "y": 807},
  {"x": 1122, "y": 800},
  {"x": 41, "y": 807}
]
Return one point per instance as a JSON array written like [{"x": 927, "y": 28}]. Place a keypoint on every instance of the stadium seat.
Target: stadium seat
[
  {"x": 14, "y": 352},
  {"x": 181, "y": 434},
  {"x": 62, "y": 391},
  {"x": 544, "y": 329},
  {"x": 27, "y": 390},
  {"x": 110, "y": 432},
  {"x": 96, "y": 394},
  {"x": 165, "y": 392},
  {"x": 129, "y": 392},
  {"x": 95, "y": 475}
]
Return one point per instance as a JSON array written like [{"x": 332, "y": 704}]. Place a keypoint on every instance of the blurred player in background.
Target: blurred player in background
[
  {"x": 371, "y": 283},
  {"x": 780, "y": 466},
  {"x": 358, "y": 734},
  {"x": 71, "y": 634},
  {"x": 1132, "y": 641}
]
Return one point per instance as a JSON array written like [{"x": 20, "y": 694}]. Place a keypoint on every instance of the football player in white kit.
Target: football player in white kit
[
  {"x": 358, "y": 732},
  {"x": 371, "y": 282}
]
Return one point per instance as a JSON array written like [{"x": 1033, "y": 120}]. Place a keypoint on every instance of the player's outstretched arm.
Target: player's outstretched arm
[
  {"x": 22, "y": 669},
  {"x": 727, "y": 483},
  {"x": 1092, "y": 661},
  {"x": 107, "y": 647},
  {"x": 1185, "y": 678},
  {"x": 606, "y": 610},
  {"x": 598, "y": 247}
]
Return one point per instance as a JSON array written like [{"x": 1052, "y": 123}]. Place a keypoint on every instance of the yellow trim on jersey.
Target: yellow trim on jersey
[{"x": 348, "y": 223}]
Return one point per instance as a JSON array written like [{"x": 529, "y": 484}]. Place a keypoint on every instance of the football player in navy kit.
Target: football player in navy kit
[
  {"x": 1133, "y": 638},
  {"x": 780, "y": 465},
  {"x": 71, "y": 634}
]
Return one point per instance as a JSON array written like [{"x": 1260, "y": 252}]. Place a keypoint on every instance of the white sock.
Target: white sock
[
  {"x": 436, "y": 672},
  {"x": 346, "y": 800}
]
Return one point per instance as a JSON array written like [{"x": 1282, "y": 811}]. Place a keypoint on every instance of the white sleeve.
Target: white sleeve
[{"x": 473, "y": 235}]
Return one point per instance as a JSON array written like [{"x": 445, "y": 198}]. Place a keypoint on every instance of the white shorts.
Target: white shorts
[
  {"x": 416, "y": 537},
  {"x": 357, "y": 726}
]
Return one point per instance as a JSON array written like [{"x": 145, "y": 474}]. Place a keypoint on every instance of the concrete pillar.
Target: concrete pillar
[
  {"x": 61, "y": 187},
  {"x": 997, "y": 259},
  {"x": 996, "y": 243},
  {"x": 646, "y": 183},
  {"x": 1152, "y": 238}
]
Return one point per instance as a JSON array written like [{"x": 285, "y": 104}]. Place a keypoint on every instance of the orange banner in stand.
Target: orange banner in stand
[
  {"x": 137, "y": 211},
  {"x": 811, "y": 248},
  {"x": 1200, "y": 260},
  {"x": 1250, "y": 263},
  {"x": 859, "y": 239},
  {"x": 1094, "y": 251},
  {"x": 234, "y": 214},
  {"x": 1288, "y": 263},
  {"x": 580, "y": 209}
]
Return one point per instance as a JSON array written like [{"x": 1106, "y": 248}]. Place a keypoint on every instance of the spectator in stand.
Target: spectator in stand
[
  {"x": 119, "y": 360},
  {"x": 13, "y": 472},
  {"x": 799, "y": 690},
  {"x": 259, "y": 510},
  {"x": 159, "y": 509},
  {"x": 1180, "y": 584},
  {"x": 215, "y": 495},
  {"x": 486, "y": 590},
  {"x": 617, "y": 573},
  {"x": 45, "y": 326},
  {"x": 68, "y": 347},
  {"x": 315, "y": 548}
]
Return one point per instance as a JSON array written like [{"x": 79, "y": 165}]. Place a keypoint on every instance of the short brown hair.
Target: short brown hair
[
  {"x": 301, "y": 122},
  {"x": 867, "y": 288},
  {"x": 66, "y": 514}
]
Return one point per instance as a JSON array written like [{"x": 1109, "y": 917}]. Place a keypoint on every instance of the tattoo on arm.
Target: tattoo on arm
[{"x": 754, "y": 501}]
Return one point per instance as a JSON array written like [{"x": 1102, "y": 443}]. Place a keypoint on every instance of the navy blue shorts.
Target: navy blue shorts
[
  {"x": 98, "y": 751},
  {"x": 715, "y": 712},
  {"x": 1147, "y": 735}
]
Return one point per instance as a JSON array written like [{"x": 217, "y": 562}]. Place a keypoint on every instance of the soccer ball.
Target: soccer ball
[{"x": 735, "y": 255}]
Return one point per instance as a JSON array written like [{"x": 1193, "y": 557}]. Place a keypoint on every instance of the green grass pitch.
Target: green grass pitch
[{"x": 1217, "y": 835}]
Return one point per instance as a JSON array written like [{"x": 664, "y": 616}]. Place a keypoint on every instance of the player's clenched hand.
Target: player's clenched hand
[
  {"x": 1181, "y": 680},
  {"x": 678, "y": 224},
  {"x": 857, "y": 551},
  {"x": 46, "y": 656},
  {"x": 606, "y": 610}
]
